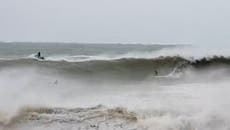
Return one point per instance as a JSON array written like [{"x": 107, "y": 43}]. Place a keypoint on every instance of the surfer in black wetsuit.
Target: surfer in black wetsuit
[
  {"x": 39, "y": 56},
  {"x": 156, "y": 72}
]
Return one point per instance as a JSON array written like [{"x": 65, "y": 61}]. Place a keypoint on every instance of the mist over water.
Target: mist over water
[{"x": 64, "y": 93}]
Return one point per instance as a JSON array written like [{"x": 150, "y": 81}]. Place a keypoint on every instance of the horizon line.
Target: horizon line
[{"x": 122, "y": 43}]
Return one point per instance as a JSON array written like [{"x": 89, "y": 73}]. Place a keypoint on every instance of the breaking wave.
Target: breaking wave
[
  {"x": 103, "y": 118},
  {"x": 126, "y": 67},
  {"x": 98, "y": 117}
]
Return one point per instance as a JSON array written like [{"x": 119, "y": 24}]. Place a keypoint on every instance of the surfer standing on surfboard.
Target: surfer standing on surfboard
[{"x": 38, "y": 55}]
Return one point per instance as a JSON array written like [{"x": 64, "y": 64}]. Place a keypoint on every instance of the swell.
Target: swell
[{"x": 130, "y": 68}]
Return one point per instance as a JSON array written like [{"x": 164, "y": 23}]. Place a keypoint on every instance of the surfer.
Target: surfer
[
  {"x": 156, "y": 72},
  {"x": 38, "y": 55}
]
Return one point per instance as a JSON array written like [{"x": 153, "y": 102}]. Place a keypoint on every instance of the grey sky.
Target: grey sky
[{"x": 145, "y": 21}]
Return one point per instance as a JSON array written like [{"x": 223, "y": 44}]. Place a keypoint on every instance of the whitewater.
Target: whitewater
[{"x": 113, "y": 87}]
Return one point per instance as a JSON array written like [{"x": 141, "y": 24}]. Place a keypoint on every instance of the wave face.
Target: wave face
[
  {"x": 106, "y": 87},
  {"x": 122, "y": 68},
  {"x": 136, "y": 69}
]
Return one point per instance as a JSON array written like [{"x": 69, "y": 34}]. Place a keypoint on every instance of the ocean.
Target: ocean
[{"x": 79, "y": 86}]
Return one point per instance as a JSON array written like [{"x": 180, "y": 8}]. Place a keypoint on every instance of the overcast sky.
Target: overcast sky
[{"x": 136, "y": 21}]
